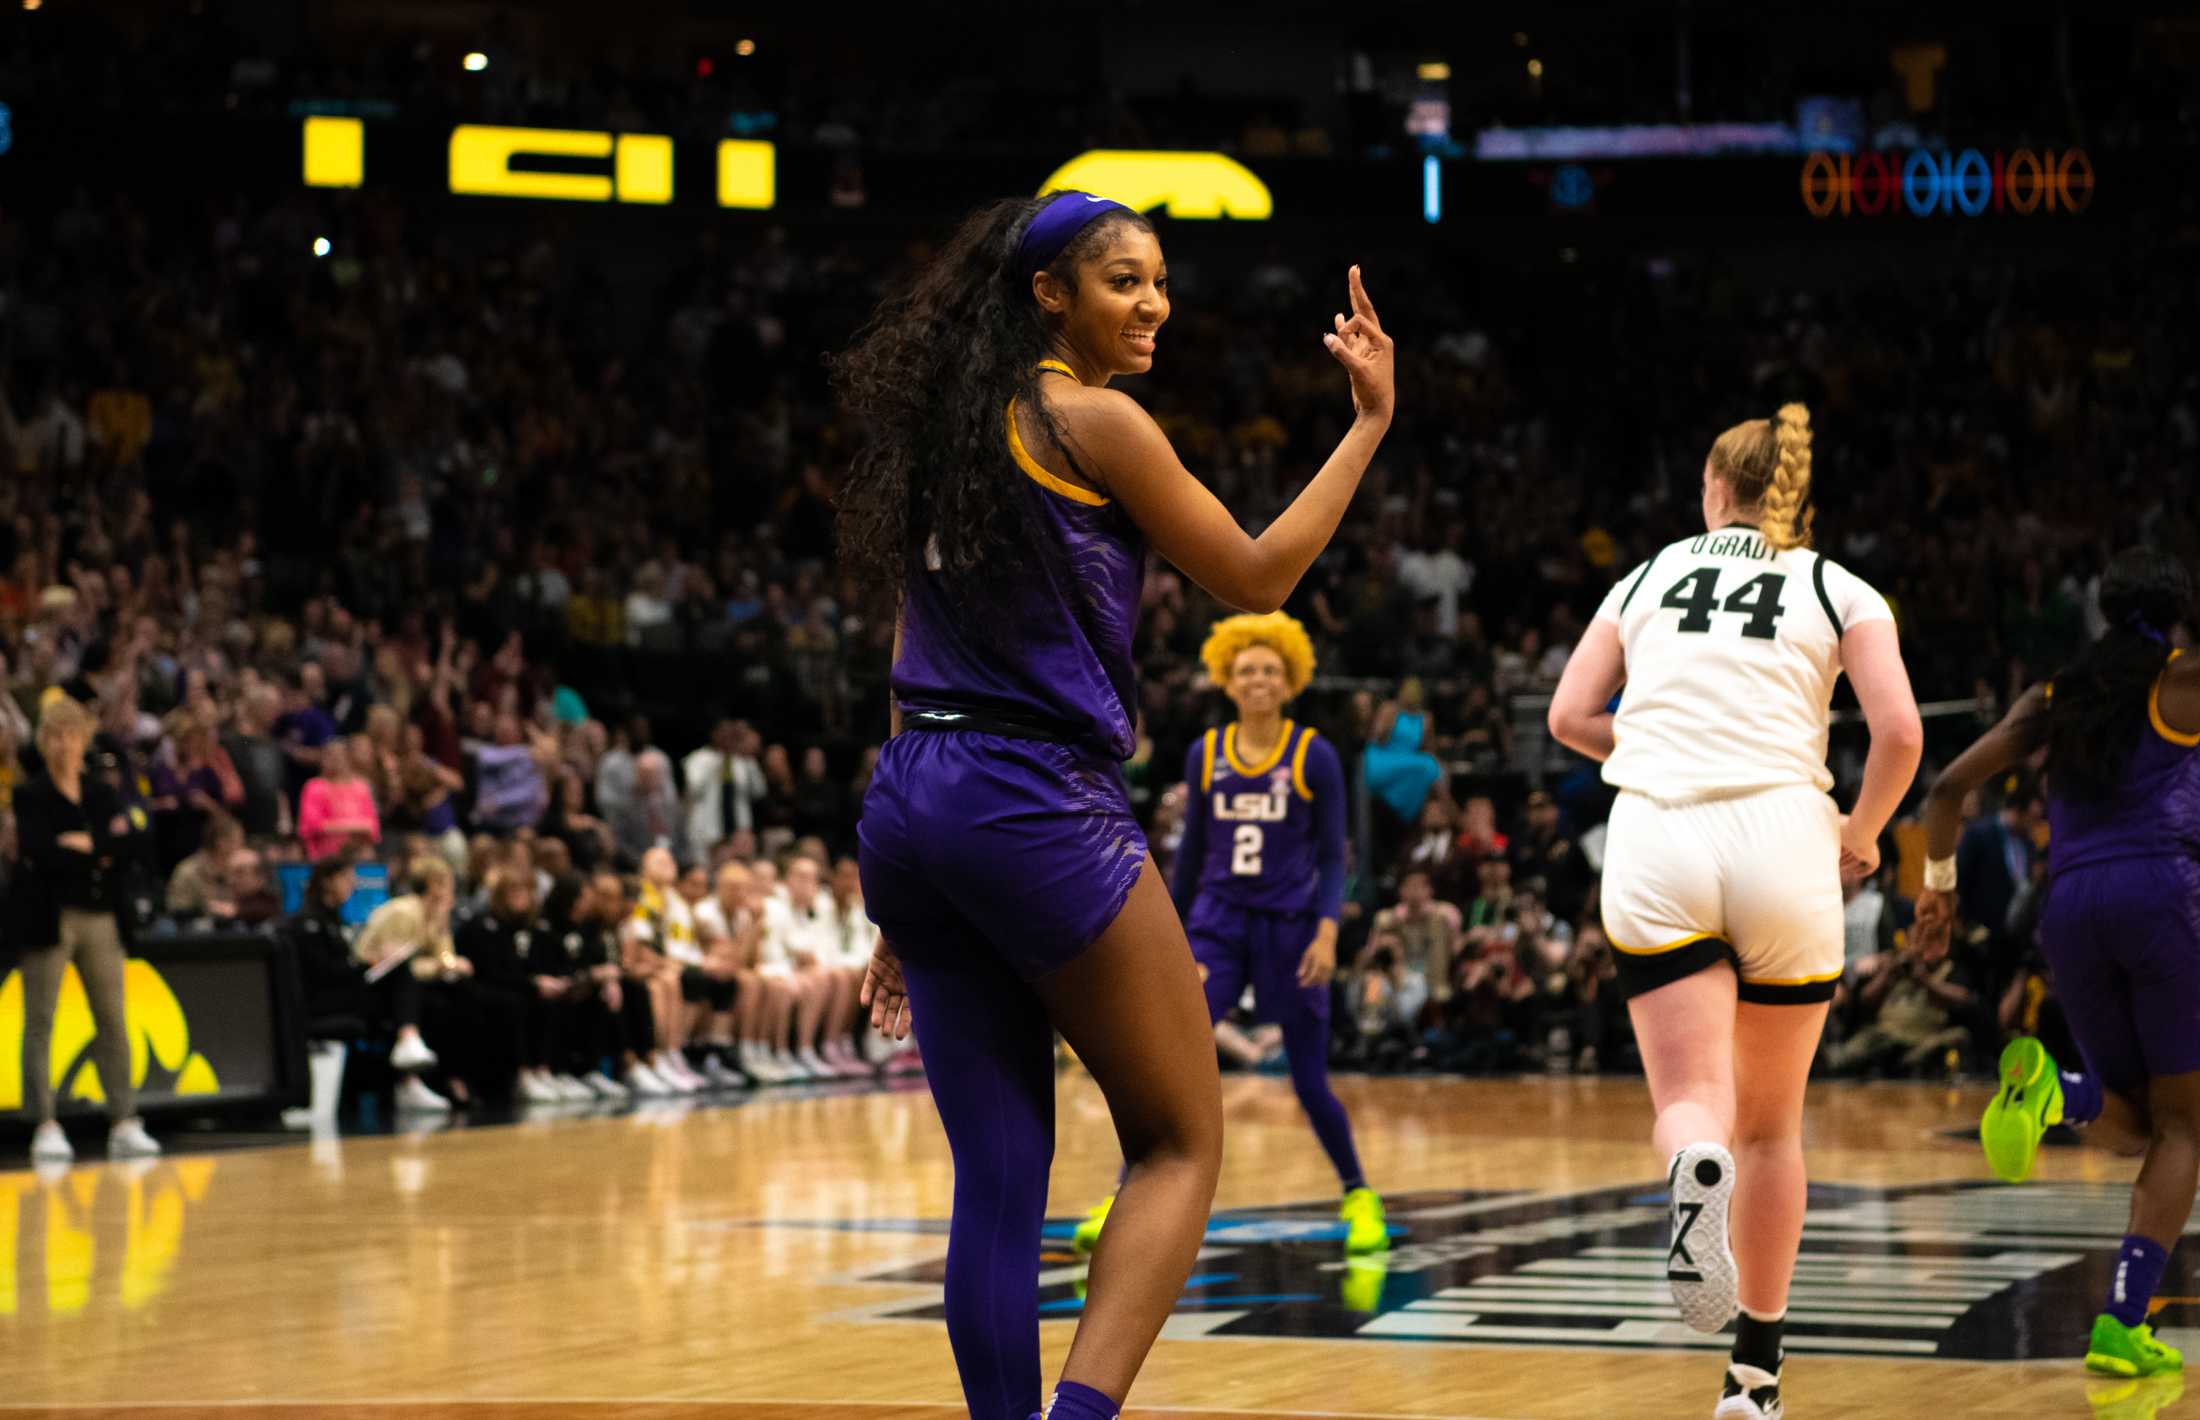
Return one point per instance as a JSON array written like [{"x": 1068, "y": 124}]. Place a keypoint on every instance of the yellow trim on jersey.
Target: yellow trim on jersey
[
  {"x": 1058, "y": 366},
  {"x": 1795, "y": 981},
  {"x": 1207, "y": 766},
  {"x": 1053, "y": 483},
  {"x": 1659, "y": 951},
  {"x": 1275, "y": 755},
  {"x": 2154, "y": 712},
  {"x": 1298, "y": 765}
]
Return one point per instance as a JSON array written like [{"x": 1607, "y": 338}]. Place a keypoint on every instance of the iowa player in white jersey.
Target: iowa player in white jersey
[{"x": 1725, "y": 855}]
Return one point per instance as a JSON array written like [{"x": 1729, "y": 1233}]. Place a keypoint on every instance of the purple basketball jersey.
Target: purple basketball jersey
[
  {"x": 1261, "y": 829},
  {"x": 1061, "y": 653},
  {"x": 2155, "y": 813}
]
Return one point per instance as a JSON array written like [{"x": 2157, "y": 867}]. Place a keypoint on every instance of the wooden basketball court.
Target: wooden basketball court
[{"x": 780, "y": 1258}]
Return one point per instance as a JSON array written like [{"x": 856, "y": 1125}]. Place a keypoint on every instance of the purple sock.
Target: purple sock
[
  {"x": 1081, "y": 1402},
  {"x": 2081, "y": 1097},
  {"x": 2139, "y": 1264}
]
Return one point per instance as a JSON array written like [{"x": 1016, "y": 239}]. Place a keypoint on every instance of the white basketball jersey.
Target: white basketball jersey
[{"x": 1732, "y": 651}]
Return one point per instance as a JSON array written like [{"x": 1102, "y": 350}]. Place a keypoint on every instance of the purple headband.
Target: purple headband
[
  {"x": 2138, "y": 622},
  {"x": 1056, "y": 225}
]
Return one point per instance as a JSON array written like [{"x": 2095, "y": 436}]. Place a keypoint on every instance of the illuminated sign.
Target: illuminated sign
[
  {"x": 481, "y": 164},
  {"x": 1931, "y": 182},
  {"x": 491, "y": 161},
  {"x": 748, "y": 173},
  {"x": 159, "y": 1034},
  {"x": 335, "y": 152},
  {"x": 1182, "y": 184}
]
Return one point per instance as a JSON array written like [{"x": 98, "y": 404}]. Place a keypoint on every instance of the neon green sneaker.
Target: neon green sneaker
[
  {"x": 2030, "y": 1099},
  {"x": 1087, "y": 1236},
  {"x": 1366, "y": 1228},
  {"x": 2120, "y": 1350}
]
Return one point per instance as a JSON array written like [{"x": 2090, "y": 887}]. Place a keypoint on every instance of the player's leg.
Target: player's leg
[
  {"x": 989, "y": 1052},
  {"x": 1218, "y": 936},
  {"x": 1303, "y": 1013},
  {"x": 2157, "y": 925},
  {"x": 1778, "y": 1044},
  {"x": 989, "y": 1056},
  {"x": 1664, "y": 907},
  {"x": 1685, "y": 1030},
  {"x": 1781, "y": 853},
  {"x": 1131, "y": 1006}
]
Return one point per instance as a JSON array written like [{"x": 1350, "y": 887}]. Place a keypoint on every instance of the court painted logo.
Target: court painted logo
[
  {"x": 1960, "y": 1271},
  {"x": 161, "y": 1056}
]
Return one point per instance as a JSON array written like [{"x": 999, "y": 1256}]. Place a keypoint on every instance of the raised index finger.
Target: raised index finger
[{"x": 1361, "y": 306}]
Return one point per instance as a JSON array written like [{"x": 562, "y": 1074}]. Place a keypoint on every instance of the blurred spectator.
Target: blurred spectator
[
  {"x": 801, "y": 931},
  {"x": 724, "y": 782},
  {"x": 1993, "y": 860},
  {"x": 820, "y": 801},
  {"x": 661, "y": 943},
  {"x": 1917, "y": 1007},
  {"x": 1398, "y": 768},
  {"x": 1543, "y": 851},
  {"x": 337, "y": 808},
  {"x": 509, "y": 789},
  {"x": 1479, "y": 837},
  {"x": 262, "y": 763},
  {"x": 197, "y": 879},
  {"x": 650, "y": 818},
  {"x": 1408, "y": 962},
  {"x": 587, "y": 839},
  {"x": 340, "y": 999}
]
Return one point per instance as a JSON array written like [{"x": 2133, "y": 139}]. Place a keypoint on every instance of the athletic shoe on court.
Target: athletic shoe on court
[
  {"x": 50, "y": 1146},
  {"x": 1366, "y": 1227},
  {"x": 1699, "y": 1262},
  {"x": 2120, "y": 1350},
  {"x": 573, "y": 1089},
  {"x": 417, "y": 1098},
  {"x": 128, "y": 1139},
  {"x": 604, "y": 1087},
  {"x": 723, "y": 1076},
  {"x": 1087, "y": 1236},
  {"x": 411, "y": 1053},
  {"x": 1750, "y": 1394},
  {"x": 2030, "y": 1099},
  {"x": 647, "y": 1083}
]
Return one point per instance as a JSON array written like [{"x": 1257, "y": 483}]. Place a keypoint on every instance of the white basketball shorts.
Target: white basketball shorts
[{"x": 1753, "y": 880}]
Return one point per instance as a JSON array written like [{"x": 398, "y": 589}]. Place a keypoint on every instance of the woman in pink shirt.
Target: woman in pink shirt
[{"x": 336, "y": 805}]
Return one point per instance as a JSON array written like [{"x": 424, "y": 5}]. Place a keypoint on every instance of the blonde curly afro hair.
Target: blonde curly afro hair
[{"x": 1277, "y": 631}]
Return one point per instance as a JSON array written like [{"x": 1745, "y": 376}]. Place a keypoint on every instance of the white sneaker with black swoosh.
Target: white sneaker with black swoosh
[
  {"x": 1751, "y": 1394},
  {"x": 1699, "y": 1261}
]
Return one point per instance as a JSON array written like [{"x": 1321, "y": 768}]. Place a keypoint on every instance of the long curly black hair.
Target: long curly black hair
[
  {"x": 2096, "y": 714},
  {"x": 928, "y": 381}
]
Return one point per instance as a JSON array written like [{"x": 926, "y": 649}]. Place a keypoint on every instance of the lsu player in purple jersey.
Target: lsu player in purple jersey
[
  {"x": 1007, "y": 500},
  {"x": 2120, "y": 928},
  {"x": 1260, "y": 879}
]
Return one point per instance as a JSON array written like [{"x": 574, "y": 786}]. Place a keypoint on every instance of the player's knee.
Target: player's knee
[
  {"x": 2173, "y": 1122},
  {"x": 1187, "y": 1131}
]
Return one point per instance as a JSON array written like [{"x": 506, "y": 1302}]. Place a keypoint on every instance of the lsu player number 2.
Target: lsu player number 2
[{"x": 1245, "y": 851}]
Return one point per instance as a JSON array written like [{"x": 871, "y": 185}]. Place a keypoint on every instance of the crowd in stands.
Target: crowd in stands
[{"x": 484, "y": 567}]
